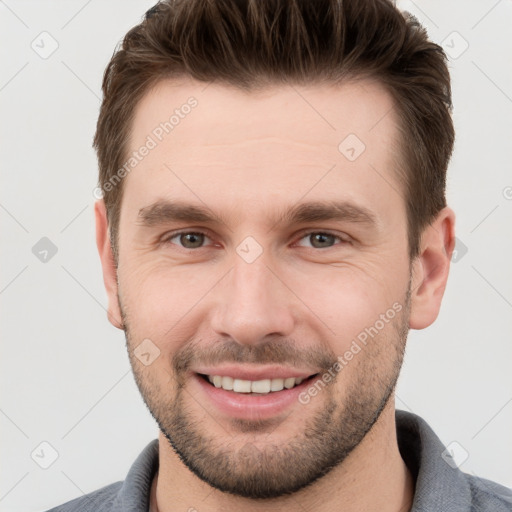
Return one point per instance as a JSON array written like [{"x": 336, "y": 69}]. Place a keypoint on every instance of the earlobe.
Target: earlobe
[
  {"x": 108, "y": 264},
  {"x": 430, "y": 269}
]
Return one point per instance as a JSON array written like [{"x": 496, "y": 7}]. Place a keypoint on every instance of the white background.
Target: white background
[{"x": 65, "y": 375}]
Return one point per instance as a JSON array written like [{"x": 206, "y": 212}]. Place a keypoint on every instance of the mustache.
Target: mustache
[{"x": 276, "y": 351}]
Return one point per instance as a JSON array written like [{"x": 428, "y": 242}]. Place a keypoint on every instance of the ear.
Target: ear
[
  {"x": 107, "y": 263},
  {"x": 430, "y": 269}
]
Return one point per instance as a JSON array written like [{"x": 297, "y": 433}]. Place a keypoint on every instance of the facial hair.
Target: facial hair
[{"x": 269, "y": 470}]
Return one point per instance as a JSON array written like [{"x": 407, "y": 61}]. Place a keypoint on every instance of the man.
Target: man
[{"x": 273, "y": 222}]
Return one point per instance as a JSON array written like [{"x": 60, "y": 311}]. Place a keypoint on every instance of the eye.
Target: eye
[
  {"x": 320, "y": 240},
  {"x": 187, "y": 240}
]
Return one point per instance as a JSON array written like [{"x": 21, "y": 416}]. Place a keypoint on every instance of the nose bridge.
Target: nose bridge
[
  {"x": 252, "y": 302},
  {"x": 252, "y": 282}
]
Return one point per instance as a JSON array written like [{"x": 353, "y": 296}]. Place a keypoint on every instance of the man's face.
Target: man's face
[{"x": 261, "y": 241}]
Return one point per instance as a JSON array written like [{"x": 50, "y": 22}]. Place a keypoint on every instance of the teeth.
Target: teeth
[
  {"x": 260, "y": 386},
  {"x": 276, "y": 384},
  {"x": 289, "y": 383},
  {"x": 253, "y": 386},
  {"x": 242, "y": 386},
  {"x": 227, "y": 383}
]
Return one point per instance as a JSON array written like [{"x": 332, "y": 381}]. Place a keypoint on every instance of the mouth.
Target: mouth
[
  {"x": 255, "y": 387},
  {"x": 251, "y": 392}
]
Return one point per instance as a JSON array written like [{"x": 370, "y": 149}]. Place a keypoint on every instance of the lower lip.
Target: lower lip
[{"x": 248, "y": 406}]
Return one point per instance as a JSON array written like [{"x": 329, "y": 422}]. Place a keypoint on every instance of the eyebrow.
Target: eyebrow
[
  {"x": 331, "y": 210},
  {"x": 164, "y": 212}
]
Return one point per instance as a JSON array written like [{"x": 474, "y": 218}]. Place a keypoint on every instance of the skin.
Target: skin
[{"x": 250, "y": 157}]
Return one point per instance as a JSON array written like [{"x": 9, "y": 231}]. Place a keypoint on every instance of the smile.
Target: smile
[{"x": 263, "y": 386}]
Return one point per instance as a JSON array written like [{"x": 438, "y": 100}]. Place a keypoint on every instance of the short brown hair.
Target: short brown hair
[{"x": 253, "y": 43}]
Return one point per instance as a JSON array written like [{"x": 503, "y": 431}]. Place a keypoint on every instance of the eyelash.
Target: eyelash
[{"x": 167, "y": 238}]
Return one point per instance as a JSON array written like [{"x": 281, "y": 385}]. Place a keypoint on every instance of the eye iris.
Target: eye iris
[
  {"x": 191, "y": 240},
  {"x": 320, "y": 240}
]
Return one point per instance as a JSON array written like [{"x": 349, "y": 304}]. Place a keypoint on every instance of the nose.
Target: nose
[{"x": 252, "y": 303}]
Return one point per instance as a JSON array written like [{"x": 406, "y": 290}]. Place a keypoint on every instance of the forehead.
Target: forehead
[
  {"x": 325, "y": 112},
  {"x": 280, "y": 141}
]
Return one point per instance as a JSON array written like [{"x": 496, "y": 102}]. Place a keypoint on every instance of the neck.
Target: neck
[{"x": 372, "y": 477}]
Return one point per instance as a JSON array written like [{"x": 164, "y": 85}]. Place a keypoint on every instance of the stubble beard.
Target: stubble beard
[{"x": 242, "y": 463}]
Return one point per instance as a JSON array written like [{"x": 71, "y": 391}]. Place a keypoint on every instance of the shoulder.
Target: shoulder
[
  {"x": 440, "y": 483},
  {"x": 488, "y": 495},
  {"x": 132, "y": 492},
  {"x": 100, "y": 500}
]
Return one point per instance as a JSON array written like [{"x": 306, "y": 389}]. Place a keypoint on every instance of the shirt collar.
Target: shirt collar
[{"x": 440, "y": 484}]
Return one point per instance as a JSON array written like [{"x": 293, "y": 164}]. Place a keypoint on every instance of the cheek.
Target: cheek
[
  {"x": 159, "y": 297},
  {"x": 349, "y": 299}
]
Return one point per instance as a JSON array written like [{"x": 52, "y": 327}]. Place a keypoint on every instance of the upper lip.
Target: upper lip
[{"x": 255, "y": 373}]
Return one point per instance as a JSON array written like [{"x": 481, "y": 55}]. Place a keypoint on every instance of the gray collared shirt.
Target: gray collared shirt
[{"x": 440, "y": 484}]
